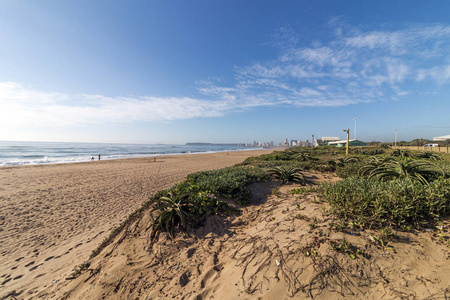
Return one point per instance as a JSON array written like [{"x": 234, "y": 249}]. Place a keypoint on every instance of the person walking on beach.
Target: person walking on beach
[{"x": 99, "y": 157}]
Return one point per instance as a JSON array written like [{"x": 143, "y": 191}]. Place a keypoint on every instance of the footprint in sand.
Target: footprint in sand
[
  {"x": 6, "y": 281},
  {"x": 48, "y": 258},
  {"x": 29, "y": 264},
  {"x": 35, "y": 267},
  {"x": 13, "y": 268},
  {"x": 191, "y": 252},
  {"x": 20, "y": 258},
  {"x": 184, "y": 279},
  {"x": 18, "y": 277}
]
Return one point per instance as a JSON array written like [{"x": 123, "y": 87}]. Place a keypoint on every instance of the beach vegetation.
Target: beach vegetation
[
  {"x": 285, "y": 174},
  {"x": 372, "y": 163},
  {"x": 78, "y": 269},
  {"x": 347, "y": 248},
  {"x": 379, "y": 191},
  {"x": 177, "y": 210},
  {"x": 305, "y": 156},
  {"x": 367, "y": 151},
  {"x": 429, "y": 155},
  {"x": 348, "y": 169},
  {"x": 189, "y": 202},
  {"x": 231, "y": 183},
  {"x": 173, "y": 212},
  {"x": 393, "y": 204},
  {"x": 341, "y": 161},
  {"x": 402, "y": 153},
  {"x": 416, "y": 170},
  {"x": 275, "y": 192}
]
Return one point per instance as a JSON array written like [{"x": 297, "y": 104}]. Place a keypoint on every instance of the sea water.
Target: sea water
[{"x": 34, "y": 153}]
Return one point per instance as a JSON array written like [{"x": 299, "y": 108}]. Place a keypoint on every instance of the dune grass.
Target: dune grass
[{"x": 394, "y": 202}]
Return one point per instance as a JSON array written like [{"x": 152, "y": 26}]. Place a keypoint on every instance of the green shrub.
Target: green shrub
[
  {"x": 376, "y": 151},
  {"x": 178, "y": 209},
  {"x": 395, "y": 203},
  {"x": 229, "y": 182},
  {"x": 348, "y": 169},
  {"x": 278, "y": 155}
]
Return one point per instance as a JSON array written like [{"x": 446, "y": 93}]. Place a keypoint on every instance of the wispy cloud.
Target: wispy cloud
[
  {"x": 352, "y": 67},
  {"x": 21, "y": 106}
]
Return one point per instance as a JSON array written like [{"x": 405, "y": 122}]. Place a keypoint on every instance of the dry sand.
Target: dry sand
[
  {"x": 53, "y": 216},
  {"x": 280, "y": 247}
]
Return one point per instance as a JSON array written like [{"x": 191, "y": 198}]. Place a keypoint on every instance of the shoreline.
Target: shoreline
[
  {"x": 52, "y": 216},
  {"x": 109, "y": 157}
]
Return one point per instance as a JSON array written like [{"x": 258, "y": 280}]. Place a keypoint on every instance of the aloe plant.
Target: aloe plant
[
  {"x": 341, "y": 161},
  {"x": 417, "y": 170},
  {"x": 429, "y": 155},
  {"x": 402, "y": 153},
  {"x": 305, "y": 156},
  {"x": 372, "y": 163},
  {"x": 286, "y": 174},
  {"x": 174, "y": 212}
]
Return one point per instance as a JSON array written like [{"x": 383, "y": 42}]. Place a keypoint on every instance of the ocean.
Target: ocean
[{"x": 35, "y": 153}]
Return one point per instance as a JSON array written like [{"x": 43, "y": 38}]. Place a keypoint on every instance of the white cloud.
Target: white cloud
[
  {"x": 397, "y": 71},
  {"x": 376, "y": 40},
  {"x": 439, "y": 74},
  {"x": 21, "y": 106},
  {"x": 354, "y": 67}
]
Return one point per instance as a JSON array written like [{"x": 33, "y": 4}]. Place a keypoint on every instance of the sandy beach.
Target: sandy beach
[{"x": 53, "y": 216}]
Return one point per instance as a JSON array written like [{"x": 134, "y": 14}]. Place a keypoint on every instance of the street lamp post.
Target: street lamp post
[
  {"x": 348, "y": 139},
  {"x": 356, "y": 119}
]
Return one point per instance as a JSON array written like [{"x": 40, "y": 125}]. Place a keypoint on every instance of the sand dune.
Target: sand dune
[
  {"x": 280, "y": 247},
  {"x": 53, "y": 216}
]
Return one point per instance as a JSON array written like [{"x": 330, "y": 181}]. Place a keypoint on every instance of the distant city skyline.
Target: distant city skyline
[{"x": 223, "y": 71}]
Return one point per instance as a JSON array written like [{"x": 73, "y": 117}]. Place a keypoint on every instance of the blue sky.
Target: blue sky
[{"x": 223, "y": 71}]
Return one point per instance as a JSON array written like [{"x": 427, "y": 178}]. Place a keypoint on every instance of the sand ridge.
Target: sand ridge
[{"x": 53, "y": 216}]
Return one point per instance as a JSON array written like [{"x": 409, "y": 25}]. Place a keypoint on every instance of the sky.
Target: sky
[{"x": 231, "y": 71}]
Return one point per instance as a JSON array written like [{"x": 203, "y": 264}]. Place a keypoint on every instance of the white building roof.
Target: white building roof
[
  {"x": 324, "y": 138},
  {"x": 442, "y": 138},
  {"x": 340, "y": 142}
]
